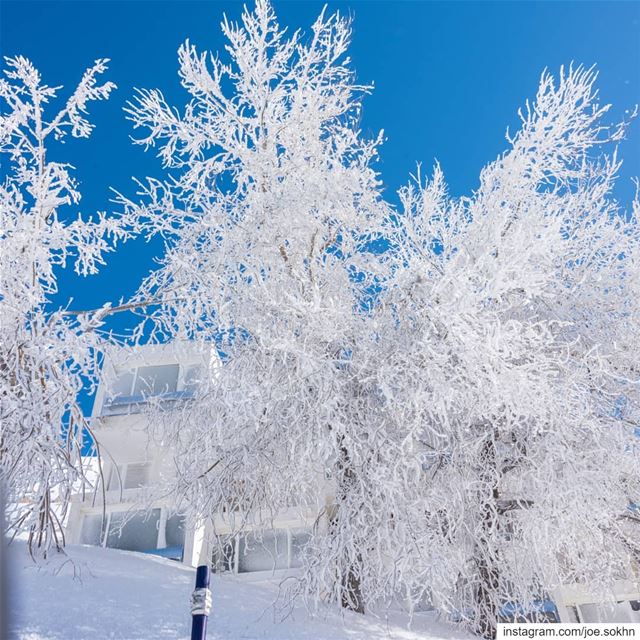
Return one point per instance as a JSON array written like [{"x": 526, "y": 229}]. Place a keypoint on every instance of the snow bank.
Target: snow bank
[{"x": 95, "y": 594}]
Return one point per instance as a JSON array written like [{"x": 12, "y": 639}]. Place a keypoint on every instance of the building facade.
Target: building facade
[{"x": 124, "y": 512}]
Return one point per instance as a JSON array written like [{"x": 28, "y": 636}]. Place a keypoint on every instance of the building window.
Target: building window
[
  {"x": 133, "y": 475},
  {"x": 136, "y": 531},
  {"x": 299, "y": 540},
  {"x": 133, "y": 532},
  {"x": 123, "y": 384},
  {"x": 92, "y": 530},
  {"x": 136, "y": 475},
  {"x": 191, "y": 378},
  {"x": 268, "y": 550},
  {"x": 619, "y": 612},
  {"x": 224, "y": 555},
  {"x": 157, "y": 380},
  {"x": 115, "y": 478},
  {"x": 174, "y": 531},
  {"x": 131, "y": 389}
]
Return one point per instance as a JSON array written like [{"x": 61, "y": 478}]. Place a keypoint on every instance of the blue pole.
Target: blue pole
[
  {"x": 4, "y": 573},
  {"x": 200, "y": 604}
]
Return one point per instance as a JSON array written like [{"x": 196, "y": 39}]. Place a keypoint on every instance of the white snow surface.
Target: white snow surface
[{"x": 93, "y": 594}]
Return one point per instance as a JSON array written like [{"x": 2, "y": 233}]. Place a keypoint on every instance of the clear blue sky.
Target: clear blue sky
[{"x": 449, "y": 79}]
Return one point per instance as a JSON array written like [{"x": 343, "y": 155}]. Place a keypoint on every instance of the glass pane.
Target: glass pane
[
  {"x": 153, "y": 381},
  {"x": 91, "y": 530},
  {"x": 121, "y": 386},
  {"x": 265, "y": 554},
  {"x": 620, "y": 612},
  {"x": 115, "y": 478},
  {"x": 572, "y": 613},
  {"x": 192, "y": 376},
  {"x": 134, "y": 532},
  {"x": 116, "y": 390},
  {"x": 223, "y": 554},
  {"x": 137, "y": 475},
  {"x": 174, "y": 531},
  {"x": 299, "y": 540}
]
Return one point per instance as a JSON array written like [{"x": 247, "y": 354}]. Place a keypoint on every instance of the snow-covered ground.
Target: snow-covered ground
[{"x": 94, "y": 594}]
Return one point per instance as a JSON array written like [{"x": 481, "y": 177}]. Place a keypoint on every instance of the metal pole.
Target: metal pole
[
  {"x": 4, "y": 578},
  {"x": 201, "y": 598},
  {"x": 201, "y": 601}
]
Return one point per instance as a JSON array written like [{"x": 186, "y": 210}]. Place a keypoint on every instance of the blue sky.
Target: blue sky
[{"x": 449, "y": 78}]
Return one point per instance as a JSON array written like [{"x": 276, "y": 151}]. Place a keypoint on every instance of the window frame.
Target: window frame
[
  {"x": 161, "y": 541},
  {"x": 161, "y": 526},
  {"x": 151, "y": 393},
  {"x": 235, "y": 541},
  {"x": 125, "y": 404},
  {"x": 121, "y": 471}
]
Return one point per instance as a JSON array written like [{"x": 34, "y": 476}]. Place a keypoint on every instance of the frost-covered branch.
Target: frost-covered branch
[
  {"x": 46, "y": 356},
  {"x": 520, "y": 373},
  {"x": 272, "y": 200}
]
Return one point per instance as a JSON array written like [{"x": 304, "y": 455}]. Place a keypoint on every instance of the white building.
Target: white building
[{"x": 126, "y": 515}]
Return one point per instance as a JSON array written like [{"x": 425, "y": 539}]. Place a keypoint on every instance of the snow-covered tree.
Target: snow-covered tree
[
  {"x": 515, "y": 318},
  {"x": 477, "y": 429},
  {"x": 267, "y": 215},
  {"x": 46, "y": 354}
]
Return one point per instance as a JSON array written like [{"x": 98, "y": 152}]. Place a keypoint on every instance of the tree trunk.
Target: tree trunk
[
  {"x": 486, "y": 614},
  {"x": 351, "y": 589},
  {"x": 486, "y": 609},
  {"x": 351, "y": 592}
]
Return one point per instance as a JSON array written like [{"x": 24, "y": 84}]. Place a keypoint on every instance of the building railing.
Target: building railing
[{"x": 122, "y": 405}]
